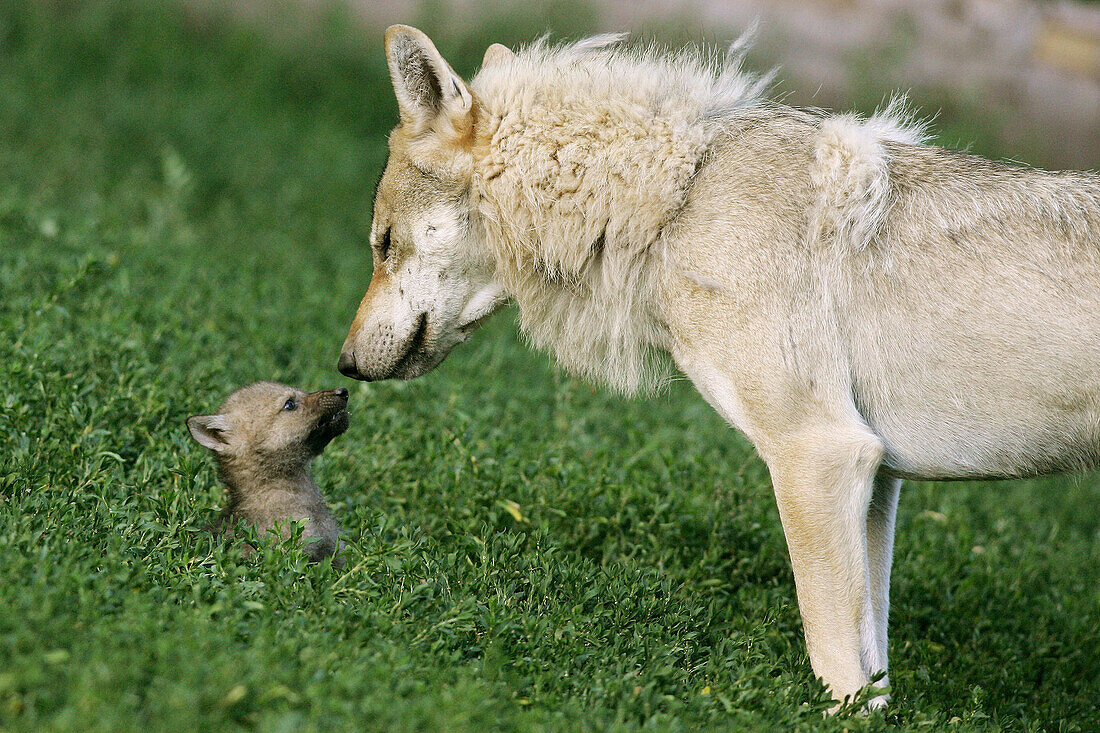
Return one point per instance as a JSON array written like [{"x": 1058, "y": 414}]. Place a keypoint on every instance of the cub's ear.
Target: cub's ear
[
  {"x": 209, "y": 431},
  {"x": 425, "y": 85},
  {"x": 496, "y": 54}
]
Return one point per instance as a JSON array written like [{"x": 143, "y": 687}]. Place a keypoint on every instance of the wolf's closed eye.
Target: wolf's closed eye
[{"x": 384, "y": 247}]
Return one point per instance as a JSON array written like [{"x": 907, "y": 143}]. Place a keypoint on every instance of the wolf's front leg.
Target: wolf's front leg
[{"x": 824, "y": 481}]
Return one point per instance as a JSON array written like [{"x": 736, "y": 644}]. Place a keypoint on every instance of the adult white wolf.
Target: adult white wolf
[{"x": 862, "y": 306}]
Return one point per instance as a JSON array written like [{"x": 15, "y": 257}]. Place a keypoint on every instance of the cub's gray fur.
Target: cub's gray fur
[{"x": 263, "y": 437}]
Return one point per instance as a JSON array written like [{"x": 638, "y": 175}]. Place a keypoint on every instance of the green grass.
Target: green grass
[{"x": 183, "y": 204}]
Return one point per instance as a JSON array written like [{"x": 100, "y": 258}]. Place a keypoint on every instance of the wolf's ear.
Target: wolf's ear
[
  {"x": 495, "y": 54},
  {"x": 424, "y": 82},
  {"x": 209, "y": 431}
]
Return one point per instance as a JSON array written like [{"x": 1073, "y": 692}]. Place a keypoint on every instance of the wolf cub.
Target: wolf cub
[{"x": 264, "y": 436}]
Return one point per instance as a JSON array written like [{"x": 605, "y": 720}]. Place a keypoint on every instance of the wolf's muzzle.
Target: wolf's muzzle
[{"x": 405, "y": 361}]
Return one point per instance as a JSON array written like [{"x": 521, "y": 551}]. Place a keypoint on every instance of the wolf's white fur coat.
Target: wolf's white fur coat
[{"x": 863, "y": 306}]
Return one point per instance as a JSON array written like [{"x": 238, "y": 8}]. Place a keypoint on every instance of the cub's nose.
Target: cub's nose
[
  {"x": 341, "y": 393},
  {"x": 347, "y": 367}
]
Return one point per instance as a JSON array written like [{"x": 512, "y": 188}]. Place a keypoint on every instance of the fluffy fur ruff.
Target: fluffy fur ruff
[{"x": 592, "y": 152}]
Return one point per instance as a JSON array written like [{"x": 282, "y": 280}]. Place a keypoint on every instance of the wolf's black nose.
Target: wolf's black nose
[
  {"x": 341, "y": 393},
  {"x": 346, "y": 365}
]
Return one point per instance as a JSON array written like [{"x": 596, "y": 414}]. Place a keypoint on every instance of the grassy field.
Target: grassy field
[{"x": 183, "y": 208}]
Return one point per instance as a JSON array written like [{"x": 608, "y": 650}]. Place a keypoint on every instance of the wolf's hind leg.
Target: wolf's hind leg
[
  {"x": 824, "y": 481},
  {"x": 881, "y": 516}
]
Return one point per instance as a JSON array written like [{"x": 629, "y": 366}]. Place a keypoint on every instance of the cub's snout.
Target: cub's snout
[
  {"x": 328, "y": 401},
  {"x": 329, "y": 408}
]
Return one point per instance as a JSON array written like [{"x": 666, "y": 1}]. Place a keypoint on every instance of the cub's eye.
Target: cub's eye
[
  {"x": 290, "y": 405},
  {"x": 384, "y": 247}
]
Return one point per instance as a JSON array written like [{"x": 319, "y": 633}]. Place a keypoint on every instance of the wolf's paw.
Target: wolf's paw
[
  {"x": 878, "y": 703},
  {"x": 872, "y": 697}
]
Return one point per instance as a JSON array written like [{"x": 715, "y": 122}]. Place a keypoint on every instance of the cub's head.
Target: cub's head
[
  {"x": 433, "y": 281},
  {"x": 272, "y": 426}
]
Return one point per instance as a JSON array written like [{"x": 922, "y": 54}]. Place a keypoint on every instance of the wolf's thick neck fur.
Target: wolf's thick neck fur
[{"x": 590, "y": 154}]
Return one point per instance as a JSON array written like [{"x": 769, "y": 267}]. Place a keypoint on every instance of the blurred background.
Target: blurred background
[{"x": 1014, "y": 78}]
